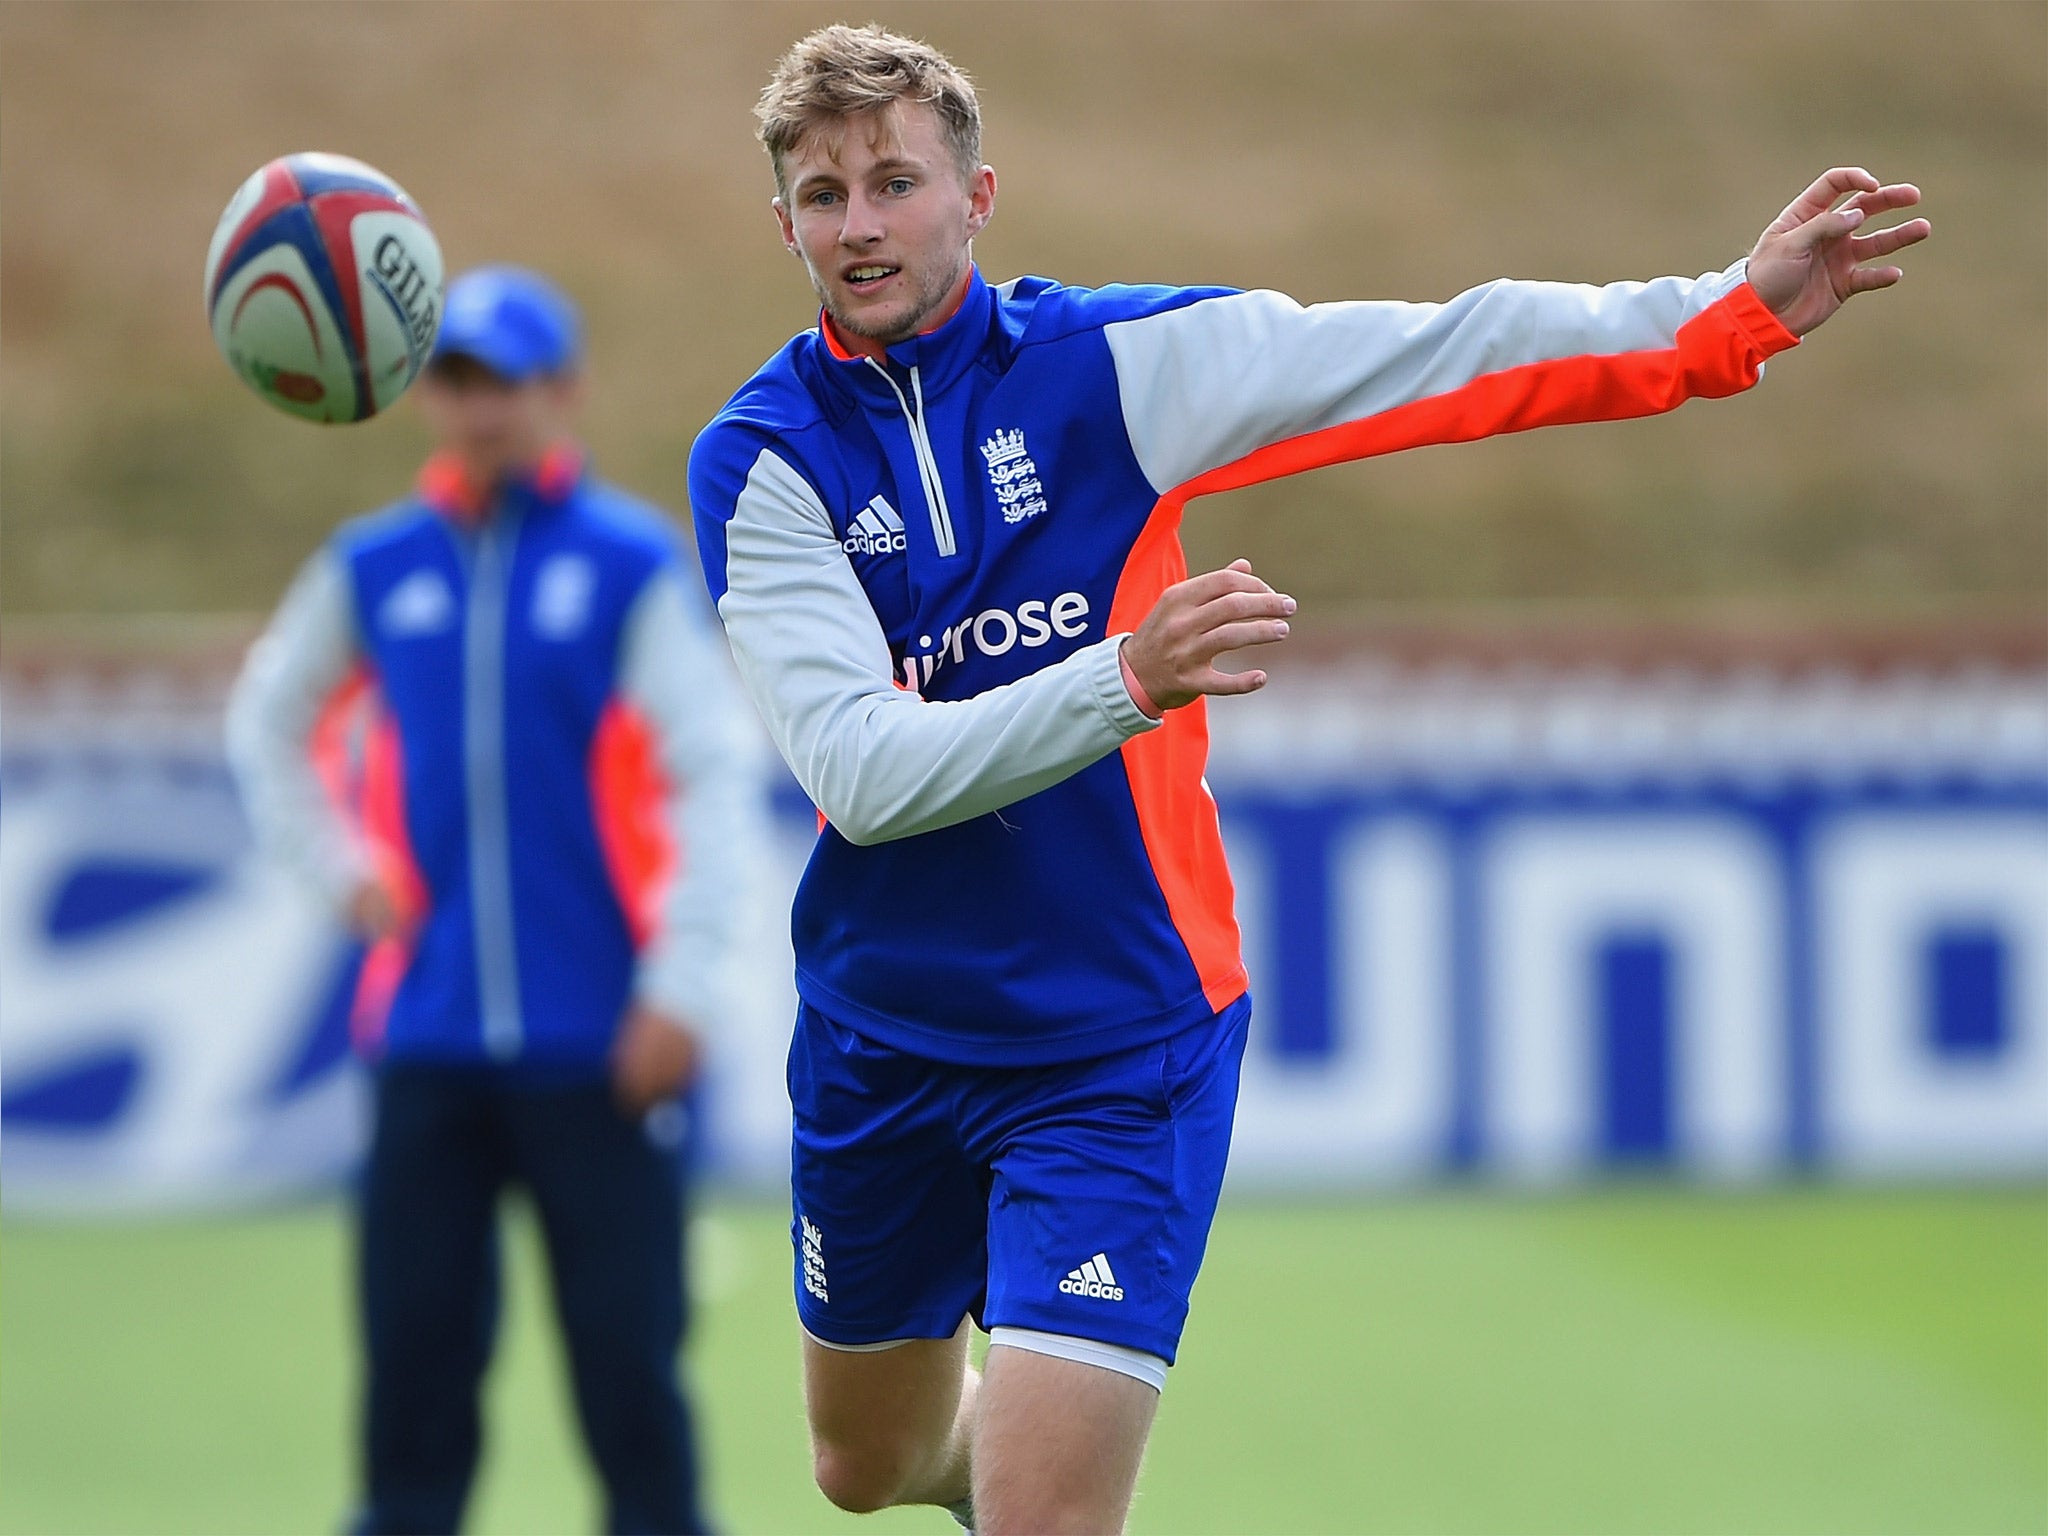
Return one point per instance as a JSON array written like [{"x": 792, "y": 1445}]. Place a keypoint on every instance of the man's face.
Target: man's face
[
  {"x": 494, "y": 426},
  {"x": 879, "y": 211}
]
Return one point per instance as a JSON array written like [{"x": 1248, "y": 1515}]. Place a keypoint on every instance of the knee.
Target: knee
[{"x": 857, "y": 1481}]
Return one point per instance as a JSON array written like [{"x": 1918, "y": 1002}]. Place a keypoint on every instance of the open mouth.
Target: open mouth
[{"x": 864, "y": 279}]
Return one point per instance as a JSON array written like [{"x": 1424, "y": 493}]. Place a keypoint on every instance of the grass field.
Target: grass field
[{"x": 1629, "y": 1361}]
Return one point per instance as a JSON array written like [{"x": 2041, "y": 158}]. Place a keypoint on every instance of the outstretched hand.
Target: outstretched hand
[
  {"x": 1811, "y": 261},
  {"x": 1173, "y": 654}
]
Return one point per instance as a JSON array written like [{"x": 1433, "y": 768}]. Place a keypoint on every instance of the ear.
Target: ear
[
  {"x": 788, "y": 229},
  {"x": 981, "y": 200}
]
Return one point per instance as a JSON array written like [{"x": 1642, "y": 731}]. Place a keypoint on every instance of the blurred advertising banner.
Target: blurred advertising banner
[
  {"x": 1535, "y": 905},
  {"x": 1547, "y": 905},
  {"x": 173, "y": 1010}
]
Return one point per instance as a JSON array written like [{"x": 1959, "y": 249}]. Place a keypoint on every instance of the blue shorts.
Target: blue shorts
[{"x": 1072, "y": 1199}]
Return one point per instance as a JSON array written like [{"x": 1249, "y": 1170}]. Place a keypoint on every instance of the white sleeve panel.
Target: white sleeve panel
[
  {"x": 674, "y": 672},
  {"x": 1208, "y": 383},
  {"x": 882, "y": 763},
  {"x": 291, "y": 673}
]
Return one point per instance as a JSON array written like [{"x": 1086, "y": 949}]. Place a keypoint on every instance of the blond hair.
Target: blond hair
[{"x": 839, "y": 72}]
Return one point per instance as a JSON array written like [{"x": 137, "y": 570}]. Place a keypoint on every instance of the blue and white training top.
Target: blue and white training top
[
  {"x": 926, "y": 568},
  {"x": 557, "y": 776}
]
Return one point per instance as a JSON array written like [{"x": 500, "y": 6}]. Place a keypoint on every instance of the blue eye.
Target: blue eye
[
  {"x": 821, "y": 199},
  {"x": 900, "y": 185}
]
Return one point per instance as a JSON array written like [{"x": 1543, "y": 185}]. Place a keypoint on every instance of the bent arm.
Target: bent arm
[
  {"x": 303, "y": 656},
  {"x": 882, "y": 763},
  {"x": 1244, "y": 387},
  {"x": 673, "y": 671}
]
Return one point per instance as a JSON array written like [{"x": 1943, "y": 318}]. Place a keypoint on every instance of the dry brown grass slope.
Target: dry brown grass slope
[{"x": 1896, "y": 465}]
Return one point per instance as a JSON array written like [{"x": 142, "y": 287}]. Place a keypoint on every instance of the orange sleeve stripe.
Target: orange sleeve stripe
[
  {"x": 356, "y": 750},
  {"x": 328, "y": 744},
  {"x": 1718, "y": 352},
  {"x": 1176, "y": 817},
  {"x": 383, "y": 812},
  {"x": 390, "y": 844},
  {"x": 628, "y": 792}
]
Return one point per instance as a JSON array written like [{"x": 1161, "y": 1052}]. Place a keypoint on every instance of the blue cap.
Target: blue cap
[{"x": 515, "y": 322}]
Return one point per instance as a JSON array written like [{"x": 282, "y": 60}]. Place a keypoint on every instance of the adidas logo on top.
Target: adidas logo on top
[
  {"x": 876, "y": 530},
  {"x": 1093, "y": 1279}
]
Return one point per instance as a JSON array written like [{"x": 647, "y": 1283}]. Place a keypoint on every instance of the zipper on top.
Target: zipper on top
[
  {"x": 483, "y": 763},
  {"x": 927, "y": 461}
]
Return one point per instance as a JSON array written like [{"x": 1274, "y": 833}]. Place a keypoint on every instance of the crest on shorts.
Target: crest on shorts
[{"x": 814, "y": 1259}]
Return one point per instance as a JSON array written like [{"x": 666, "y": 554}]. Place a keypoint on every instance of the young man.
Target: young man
[
  {"x": 941, "y": 531},
  {"x": 552, "y": 726}
]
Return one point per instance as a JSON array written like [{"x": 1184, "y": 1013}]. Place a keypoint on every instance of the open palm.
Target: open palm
[{"x": 1811, "y": 261}]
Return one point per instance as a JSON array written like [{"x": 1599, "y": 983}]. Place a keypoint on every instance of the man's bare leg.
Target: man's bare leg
[
  {"x": 891, "y": 1426},
  {"x": 1057, "y": 1445}
]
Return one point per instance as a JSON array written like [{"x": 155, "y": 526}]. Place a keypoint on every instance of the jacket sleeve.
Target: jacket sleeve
[
  {"x": 881, "y": 763},
  {"x": 1244, "y": 387},
  {"x": 675, "y": 674},
  {"x": 306, "y": 653}
]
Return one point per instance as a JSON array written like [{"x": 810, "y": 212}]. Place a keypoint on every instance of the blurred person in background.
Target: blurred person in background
[
  {"x": 941, "y": 529},
  {"x": 551, "y": 818}
]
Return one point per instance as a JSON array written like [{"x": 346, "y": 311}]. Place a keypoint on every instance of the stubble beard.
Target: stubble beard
[{"x": 929, "y": 298}]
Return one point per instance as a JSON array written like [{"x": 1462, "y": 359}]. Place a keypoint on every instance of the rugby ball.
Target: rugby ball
[{"x": 324, "y": 287}]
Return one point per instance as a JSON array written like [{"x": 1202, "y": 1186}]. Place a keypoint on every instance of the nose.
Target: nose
[{"x": 863, "y": 225}]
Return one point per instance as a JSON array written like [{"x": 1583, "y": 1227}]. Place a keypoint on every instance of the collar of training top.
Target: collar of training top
[
  {"x": 940, "y": 355},
  {"x": 444, "y": 484}
]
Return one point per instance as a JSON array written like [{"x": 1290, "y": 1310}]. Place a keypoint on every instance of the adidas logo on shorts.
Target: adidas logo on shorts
[{"x": 1093, "y": 1279}]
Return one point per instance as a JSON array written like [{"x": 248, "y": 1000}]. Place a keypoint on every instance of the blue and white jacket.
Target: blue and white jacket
[
  {"x": 926, "y": 567},
  {"x": 553, "y": 726}
]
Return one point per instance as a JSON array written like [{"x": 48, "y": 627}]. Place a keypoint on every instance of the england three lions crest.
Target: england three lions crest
[{"x": 1013, "y": 477}]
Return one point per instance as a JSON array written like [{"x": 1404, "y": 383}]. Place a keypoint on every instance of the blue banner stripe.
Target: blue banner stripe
[
  {"x": 1966, "y": 1009},
  {"x": 1632, "y": 983}
]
